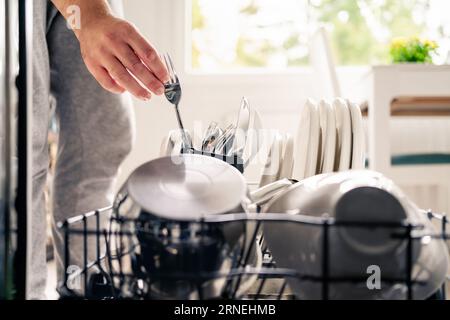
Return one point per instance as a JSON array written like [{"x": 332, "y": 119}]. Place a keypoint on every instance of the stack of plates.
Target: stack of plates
[{"x": 330, "y": 137}]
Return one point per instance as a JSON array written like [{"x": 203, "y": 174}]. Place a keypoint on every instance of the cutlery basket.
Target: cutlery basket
[{"x": 105, "y": 273}]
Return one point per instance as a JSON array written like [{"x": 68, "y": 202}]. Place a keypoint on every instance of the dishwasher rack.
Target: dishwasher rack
[{"x": 97, "y": 279}]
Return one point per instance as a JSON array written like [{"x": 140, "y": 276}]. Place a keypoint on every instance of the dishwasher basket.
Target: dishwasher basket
[{"x": 97, "y": 278}]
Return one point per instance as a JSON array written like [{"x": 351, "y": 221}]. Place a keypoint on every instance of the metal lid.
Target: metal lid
[{"x": 187, "y": 187}]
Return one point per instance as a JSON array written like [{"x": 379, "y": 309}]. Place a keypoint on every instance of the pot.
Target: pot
[{"x": 174, "y": 254}]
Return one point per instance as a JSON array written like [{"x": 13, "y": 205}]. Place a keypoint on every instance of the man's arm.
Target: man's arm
[{"x": 114, "y": 51}]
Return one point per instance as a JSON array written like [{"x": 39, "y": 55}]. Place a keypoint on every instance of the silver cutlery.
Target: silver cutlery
[
  {"x": 214, "y": 137},
  {"x": 242, "y": 127},
  {"x": 212, "y": 133},
  {"x": 173, "y": 95},
  {"x": 224, "y": 140}
]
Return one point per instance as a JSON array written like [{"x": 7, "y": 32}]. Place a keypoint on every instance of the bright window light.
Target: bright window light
[{"x": 239, "y": 34}]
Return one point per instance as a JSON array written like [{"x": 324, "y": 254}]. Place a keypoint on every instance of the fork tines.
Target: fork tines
[{"x": 170, "y": 68}]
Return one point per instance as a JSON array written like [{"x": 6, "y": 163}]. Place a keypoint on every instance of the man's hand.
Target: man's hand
[{"x": 114, "y": 51}]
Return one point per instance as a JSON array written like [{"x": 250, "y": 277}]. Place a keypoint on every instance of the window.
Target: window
[{"x": 236, "y": 34}]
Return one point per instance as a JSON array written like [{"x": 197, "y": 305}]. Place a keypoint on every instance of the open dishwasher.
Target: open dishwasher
[{"x": 251, "y": 252}]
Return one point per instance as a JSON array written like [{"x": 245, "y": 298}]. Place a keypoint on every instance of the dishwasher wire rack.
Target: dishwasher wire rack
[{"x": 97, "y": 278}]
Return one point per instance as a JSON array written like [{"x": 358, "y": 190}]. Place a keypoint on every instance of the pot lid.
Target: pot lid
[{"x": 187, "y": 187}]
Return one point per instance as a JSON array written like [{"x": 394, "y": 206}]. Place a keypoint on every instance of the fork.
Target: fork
[{"x": 172, "y": 91}]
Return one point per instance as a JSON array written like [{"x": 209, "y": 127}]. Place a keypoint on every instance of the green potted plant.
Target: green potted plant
[{"x": 412, "y": 50}]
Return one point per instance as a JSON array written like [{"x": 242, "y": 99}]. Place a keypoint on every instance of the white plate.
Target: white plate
[
  {"x": 255, "y": 138},
  {"x": 328, "y": 137},
  {"x": 166, "y": 146},
  {"x": 274, "y": 158},
  {"x": 344, "y": 135},
  {"x": 287, "y": 164},
  {"x": 171, "y": 144},
  {"x": 314, "y": 140},
  {"x": 176, "y": 137},
  {"x": 301, "y": 143},
  {"x": 358, "y": 139},
  {"x": 265, "y": 194}
]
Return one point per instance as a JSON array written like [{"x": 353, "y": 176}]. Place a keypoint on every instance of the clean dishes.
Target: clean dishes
[
  {"x": 223, "y": 142},
  {"x": 302, "y": 141},
  {"x": 314, "y": 140},
  {"x": 344, "y": 135},
  {"x": 167, "y": 145},
  {"x": 243, "y": 138},
  {"x": 328, "y": 137},
  {"x": 241, "y": 131},
  {"x": 287, "y": 163},
  {"x": 186, "y": 187},
  {"x": 211, "y": 134},
  {"x": 354, "y": 196},
  {"x": 255, "y": 137},
  {"x": 272, "y": 168},
  {"x": 179, "y": 137},
  {"x": 173, "y": 143},
  {"x": 358, "y": 138},
  {"x": 163, "y": 205},
  {"x": 264, "y": 194}
]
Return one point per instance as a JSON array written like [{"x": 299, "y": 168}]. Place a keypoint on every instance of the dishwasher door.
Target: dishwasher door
[
  {"x": 5, "y": 156},
  {"x": 15, "y": 125}
]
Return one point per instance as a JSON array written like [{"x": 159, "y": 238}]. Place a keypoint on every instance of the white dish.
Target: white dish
[
  {"x": 358, "y": 139},
  {"x": 172, "y": 143},
  {"x": 273, "y": 163},
  {"x": 302, "y": 142},
  {"x": 166, "y": 146},
  {"x": 242, "y": 126},
  {"x": 328, "y": 137},
  {"x": 264, "y": 194},
  {"x": 344, "y": 135},
  {"x": 314, "y": 140},
  {"x": 287, "y": 164},
  {"x": 357, "y": 195},
  {"x": 177, "y": 139},
  {"x": 255, "y": 137}
]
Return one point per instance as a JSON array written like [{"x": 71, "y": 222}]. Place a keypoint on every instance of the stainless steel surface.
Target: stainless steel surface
[
  {"x": 223, "y": 141},
  {"x": 173, "y": 94},
  {"x": 168, "y": 198},
  {"x": 354, "y": 196},
  {"x": 24, "y": 134},
  {"x": 4, "y": 104},
  {"x": 8, "y": 135},
  {"x": 211, "y": 134},
  {"x": 15, "y": 139},
  {"x": 187, "y": 187},
  {"x": 228, "y": 142}
]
